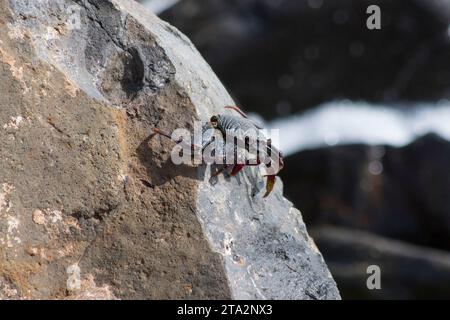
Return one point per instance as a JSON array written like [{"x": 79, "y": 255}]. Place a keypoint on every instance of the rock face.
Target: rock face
[
  {"x": 302, "y": 53},
  {"x": 90, "y": 206}
]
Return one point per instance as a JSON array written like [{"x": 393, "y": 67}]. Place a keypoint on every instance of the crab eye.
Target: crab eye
[{"x": 214, "y": 120}]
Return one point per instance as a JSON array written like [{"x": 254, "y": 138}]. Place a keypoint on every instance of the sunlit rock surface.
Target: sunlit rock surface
[{"x": 90, "y": 206}]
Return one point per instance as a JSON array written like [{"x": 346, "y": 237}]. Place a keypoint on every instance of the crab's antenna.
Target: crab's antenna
[
  {"x": 169, "y": 136},
  {"x": 243, "y": 114},
  {"x": 238, "y": 110},
  {"x": 163, "y": 133}
]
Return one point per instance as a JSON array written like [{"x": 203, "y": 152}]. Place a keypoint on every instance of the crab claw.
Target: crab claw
[{"x": 270, "y": 184}]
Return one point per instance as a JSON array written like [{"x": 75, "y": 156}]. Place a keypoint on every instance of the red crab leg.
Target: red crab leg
[
  {"x": 236, "y": 169},
  {"x": 238, "y": 110},
  {"x": 270, "y": 184},
  {"x": 163, "y": 133},
  {"x": 270, "y": 178},
  {"x": 243, "y": 114}
]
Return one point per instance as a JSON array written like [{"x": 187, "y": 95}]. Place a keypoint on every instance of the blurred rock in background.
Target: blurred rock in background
[
  {"x": 280, "y": 58},
  {"x": 396, "y": 192},
  {"x": 284, "y": 56},
  {"x": 407, "y": 271}
]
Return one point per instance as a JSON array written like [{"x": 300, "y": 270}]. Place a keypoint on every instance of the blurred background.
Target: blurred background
[{"x": 364, "y": 118}]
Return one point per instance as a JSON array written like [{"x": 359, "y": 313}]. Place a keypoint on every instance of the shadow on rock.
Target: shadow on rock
[{"x": 160, "y": 173}]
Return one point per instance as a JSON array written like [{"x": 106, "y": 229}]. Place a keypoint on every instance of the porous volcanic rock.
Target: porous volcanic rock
[{"x": 90, "y": 206}]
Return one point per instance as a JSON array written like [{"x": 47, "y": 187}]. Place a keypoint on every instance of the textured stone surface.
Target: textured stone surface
[{"x": 90, "y": 207}]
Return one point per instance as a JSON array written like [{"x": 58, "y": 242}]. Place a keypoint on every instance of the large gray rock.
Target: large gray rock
[{"x": 90, "y": 206}]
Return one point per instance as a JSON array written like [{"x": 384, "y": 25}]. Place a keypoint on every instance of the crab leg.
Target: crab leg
[
  {"x": 215, "y": 174},
  {"x": 270, "y": 184},
  {"x": 243, "y": 114},
  {"x": 163, "y": 133},
  {"x": 236, "y": 169},
  {"x": 238, "y": 110}
]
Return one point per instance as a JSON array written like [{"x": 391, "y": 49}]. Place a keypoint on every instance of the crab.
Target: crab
[{"x": 240, "y": 124}]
